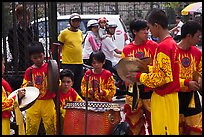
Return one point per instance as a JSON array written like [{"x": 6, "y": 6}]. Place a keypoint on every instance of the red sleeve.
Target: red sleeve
[
  {"x": 27, "y": 74},
  {"x": 6, "y": 85}
]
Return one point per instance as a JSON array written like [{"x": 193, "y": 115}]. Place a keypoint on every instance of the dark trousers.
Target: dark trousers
[
  {"x": 77, "y": 69},
  {"x": 184, "y": 100}
]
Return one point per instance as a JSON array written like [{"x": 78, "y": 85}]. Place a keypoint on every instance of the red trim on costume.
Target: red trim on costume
[
  {"x": 138, "y": 76},
  {"x": 131, "y": 124},
  {"x": 142, "y": 130},
  {"x": 104, "y": 93},
  {"x": 186, "y": 82},
  {"x": 127, "y": 109},
  {"x": 188, "y": 129}
]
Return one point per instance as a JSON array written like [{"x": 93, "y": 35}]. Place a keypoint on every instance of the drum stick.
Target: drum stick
[
  {"x": 31, "y": 77},
  {"x": 135, "y": 96},
  {"x": 86, "y": 100}
]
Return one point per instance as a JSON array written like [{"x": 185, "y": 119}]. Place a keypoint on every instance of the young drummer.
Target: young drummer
[{"x": 100, "y": 81}]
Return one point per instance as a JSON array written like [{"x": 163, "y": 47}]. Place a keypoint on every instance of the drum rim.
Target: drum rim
[{"x": 93, "y": 106}]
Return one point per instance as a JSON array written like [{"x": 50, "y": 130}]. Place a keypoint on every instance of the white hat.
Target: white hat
[
  {"x": 111, "y": 24},
  {"x": 74, "y": 16},
  {"x": 92, "y": 23}
]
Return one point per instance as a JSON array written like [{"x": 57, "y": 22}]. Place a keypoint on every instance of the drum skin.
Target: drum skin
[{"x": 98, "y": 123}]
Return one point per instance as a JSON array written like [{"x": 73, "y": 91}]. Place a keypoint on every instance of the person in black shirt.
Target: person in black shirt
[{"x": 24, "y": 34}]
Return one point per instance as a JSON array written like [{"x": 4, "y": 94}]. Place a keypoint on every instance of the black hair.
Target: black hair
[
  {"x": 35, "y": 47},
  {"x": 190, "y": 27},
  {"x": 157, "y": 16},
  {"x": 137, "y": 25},
  {"x": 66, "y": 73},
  {"x": 178, "y": 17},
  {"x": 98, "y": 56}
]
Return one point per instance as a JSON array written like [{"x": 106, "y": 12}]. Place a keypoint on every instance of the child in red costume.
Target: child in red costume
[
  {"x": 66, "y": 92},
  {"x": 100, "y": 81},
  {"x": 163, "y": 78},
  {"x": 7, "y": 103},
  {"x": 44, "y": 106},
  {"x": 140, "y": 47},
  {"x": 190, "y": 58}
]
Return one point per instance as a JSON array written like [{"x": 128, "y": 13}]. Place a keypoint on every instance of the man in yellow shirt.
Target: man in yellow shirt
[{"x": 71, "y": 40}]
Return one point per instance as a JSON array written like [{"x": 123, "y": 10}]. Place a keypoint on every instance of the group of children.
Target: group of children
[
  {"x": 161, "y": 85},
  {"x": 101, "y": 88}
]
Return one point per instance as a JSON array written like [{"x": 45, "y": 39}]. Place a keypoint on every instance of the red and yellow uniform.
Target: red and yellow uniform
[
  {"x": 7, "y": 105},
  {"x": 189, "y": 103},
  {"x": 101, "y": 82},
  {"x": 164, "y": 78},
  {"x": 136, "y": 118},
  {"x": 44, "y": 106},
  {"x": 70, "y": 96}
]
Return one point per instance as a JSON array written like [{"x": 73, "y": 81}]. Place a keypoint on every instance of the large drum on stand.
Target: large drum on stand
[{"x": 102, "y": 117}]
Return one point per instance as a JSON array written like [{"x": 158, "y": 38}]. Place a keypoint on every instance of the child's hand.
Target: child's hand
[
  {"x": 108, "y": 35},
  {"x": 21, "y": 93},
  {"x": 30, "y": 84},
  {"x": 91, "y": 92},
  {"x": 101, "y": 93}
]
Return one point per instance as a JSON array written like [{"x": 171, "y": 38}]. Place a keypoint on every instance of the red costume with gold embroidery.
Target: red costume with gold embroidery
[
  {"x": 189, "y": 102},
  {"x": 39, "y": 78},
  {"x": 135, "y": 118},
  {"x": 6, "y": 103},
  {"x": 102, "y": 82},
  {"x": 164, "y": 79}
]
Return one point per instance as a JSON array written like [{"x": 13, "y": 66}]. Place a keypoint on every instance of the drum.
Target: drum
[
  {"x": 102, "y": 117},
  {"x": 31, "y": 94}
]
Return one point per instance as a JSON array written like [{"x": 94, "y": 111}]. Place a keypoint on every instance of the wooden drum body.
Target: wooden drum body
[{"x": 101, "y": 118}]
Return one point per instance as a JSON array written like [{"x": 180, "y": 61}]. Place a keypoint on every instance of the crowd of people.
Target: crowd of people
[{"x": 169, "y": 101}]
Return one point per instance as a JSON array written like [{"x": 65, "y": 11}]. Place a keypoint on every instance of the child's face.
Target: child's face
[
  {"x": 97, "y": 65},
  {"x": 141, "y": 34},
  {"x": 66, "y": 83},
  {"x": 102, "y": 24},
  {"x": 38, "y": 59}
]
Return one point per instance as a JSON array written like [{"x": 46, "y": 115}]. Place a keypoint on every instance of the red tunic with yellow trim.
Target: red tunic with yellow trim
[
  {"x": 101, "y": 82},
  {"x": 140, "y": 51},
  {"x": 190, "y": 61},
  {"x": 39, "y": 79},
  {"x": 7, "y": 104},
  {"x": 164, "y": 76},
  {"x": 70, "y": 96}
]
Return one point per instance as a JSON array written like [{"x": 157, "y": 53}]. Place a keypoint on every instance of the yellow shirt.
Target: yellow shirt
[{"x": 72, "y": 48}]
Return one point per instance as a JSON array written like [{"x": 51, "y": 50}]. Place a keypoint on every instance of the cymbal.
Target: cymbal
[
  {"x": 131, "y": 64},
  {"x": 31, "y": 94},
  {"x": 198, "y": 77}
]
